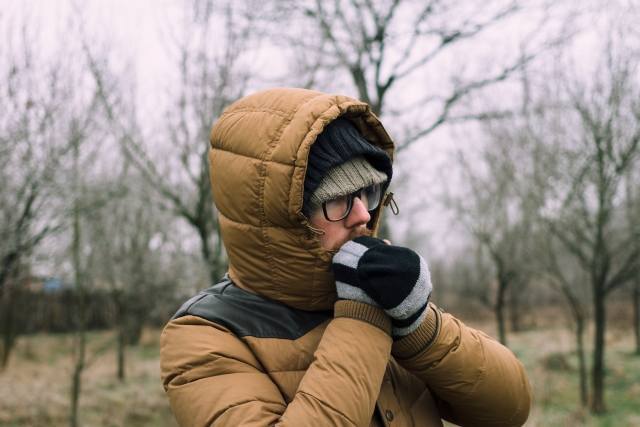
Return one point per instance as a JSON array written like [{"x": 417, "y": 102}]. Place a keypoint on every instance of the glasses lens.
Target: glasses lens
[
  {"x": 371, "y": 196},
  {"x": 337, "y": 208}
]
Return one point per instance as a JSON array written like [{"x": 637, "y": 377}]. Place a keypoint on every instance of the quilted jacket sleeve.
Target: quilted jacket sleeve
[
  {"x": 213, "y": 379},
  {"x": 476, "y": 381}
]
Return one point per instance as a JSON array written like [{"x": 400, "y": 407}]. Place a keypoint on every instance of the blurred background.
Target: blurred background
[{"x": 517, "y": 126}]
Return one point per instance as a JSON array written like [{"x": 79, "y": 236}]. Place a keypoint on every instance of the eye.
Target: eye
[{"x": 337, "y": 208}]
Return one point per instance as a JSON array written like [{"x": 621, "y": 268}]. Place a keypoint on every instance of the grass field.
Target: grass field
[{"x": 34, "y": 389}]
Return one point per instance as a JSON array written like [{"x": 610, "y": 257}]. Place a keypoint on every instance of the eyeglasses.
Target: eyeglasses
[{"x": 339, "y": 208}]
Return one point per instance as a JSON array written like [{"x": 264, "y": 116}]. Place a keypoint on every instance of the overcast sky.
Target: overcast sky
[{"x": 140, "y": 31}]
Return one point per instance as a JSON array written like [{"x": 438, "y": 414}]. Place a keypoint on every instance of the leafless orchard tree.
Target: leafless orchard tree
[
  {"x": 585, "y": 207},
  {"x": 576, "y": 148},
  {"x": 391, "y": 48},
  {"x": 507, "y": 184},
  {"x": 541, "y": 124},
  {"x": 78, "y": 135},
  {"x": 82, "y": 133},
  {"x": 30, "y": 155},
  {"x": 212, "y": 76},
  {"x": 565, "y": 276},
  {"x": 493, "y": 208},
  {"x": 52, "y": 119},
  {"x": 382, "y": 43},
  {"x": 390, "y": 44},
  {"x": 133, "y": 253},
  {"x": 48, "y": 137},
  {"x": 532, "y": 141}
]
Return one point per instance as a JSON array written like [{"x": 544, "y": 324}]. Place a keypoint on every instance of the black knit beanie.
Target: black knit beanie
[{"x": 337, "y": 143}]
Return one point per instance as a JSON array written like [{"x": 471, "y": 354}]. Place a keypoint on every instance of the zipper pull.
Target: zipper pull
[{"x": 389, "y": 200}]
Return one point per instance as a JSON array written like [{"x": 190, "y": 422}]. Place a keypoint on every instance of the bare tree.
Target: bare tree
[
  {"x": 81, "y": 134},
  {"x": 383, "y": 45},
  {"x": 568, "y": 279},
  {"x": 609, "y": 147},
  {"x": 588, "y": 194},
  {"x": 128, "y": 253},
  {"x": 211, "y": 78},
  {"x": 578, "y": 144},
  {"x": 495, "y": 212},
  {"x": 30, "y": 155},
  {"x": 552, "y": 263},
  {"x": 80, "y": 340},
  {"x": 537, "y": 134},
  {"x": 391, "y": 47}
]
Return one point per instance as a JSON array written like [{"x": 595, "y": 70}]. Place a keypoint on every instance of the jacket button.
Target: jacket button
[{"x": 389, "y": 415}]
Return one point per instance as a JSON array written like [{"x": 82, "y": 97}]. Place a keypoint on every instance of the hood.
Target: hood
[{"x": 258, "y": 161}]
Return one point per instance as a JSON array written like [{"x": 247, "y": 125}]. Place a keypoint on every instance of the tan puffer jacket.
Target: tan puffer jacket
[{"x": 265, "y": 346}]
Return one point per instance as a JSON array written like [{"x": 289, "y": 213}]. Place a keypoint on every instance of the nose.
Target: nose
[{"x": 359, "y": 214}]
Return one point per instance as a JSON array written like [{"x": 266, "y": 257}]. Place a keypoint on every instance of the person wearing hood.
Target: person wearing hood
[{"x": 319, "y": 323}]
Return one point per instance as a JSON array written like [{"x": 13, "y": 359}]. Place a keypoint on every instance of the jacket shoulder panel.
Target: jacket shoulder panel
[{"x": 246, "y": 314}]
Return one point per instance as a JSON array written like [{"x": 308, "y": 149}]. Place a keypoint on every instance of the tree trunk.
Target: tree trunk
[
  {"x": 9, "y": 334},
  {"x": 121, "y": 350},
  {"x": 120, "y": 309},
  {"x": 8, "y": 264},
  {"x": 578, "y": 312},
  {"x": 212, "y": 260},
  {"x": 133, "y": 328},
  {"x": 77, "y": 382},
  {"x": 80, "y": 339},
  {"x": 11, "y": 300},
  {"x": 499, "y": 310},
  {"x": 8, "y": 340},
  {"x": 514, "y": 308},
  {"x": 636, "y": 313},
  {"x": 597, "y": 404},
  {"x": 584, "y": 396}
]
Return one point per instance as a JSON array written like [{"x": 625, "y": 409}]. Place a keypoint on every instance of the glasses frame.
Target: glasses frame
[{"x": 358, "y": 194}]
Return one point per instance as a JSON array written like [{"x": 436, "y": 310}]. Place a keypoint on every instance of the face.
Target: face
[{"x": 340, "y": 232}]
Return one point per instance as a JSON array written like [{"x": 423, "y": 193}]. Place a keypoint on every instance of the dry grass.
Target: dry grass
[
  {"x": 552, "y": 366},
  {"x": 34, "y": 390}
]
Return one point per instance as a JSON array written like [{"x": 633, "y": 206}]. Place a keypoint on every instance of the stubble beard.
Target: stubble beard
[{"x": 362, "y": 231}]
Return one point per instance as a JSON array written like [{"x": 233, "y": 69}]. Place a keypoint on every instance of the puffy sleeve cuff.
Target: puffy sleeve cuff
[
  {"x": 364, "y": 312},
  {"x": 420, "y": 339}
]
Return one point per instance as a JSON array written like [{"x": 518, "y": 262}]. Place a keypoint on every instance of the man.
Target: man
[{"x": 317, "y": 323}]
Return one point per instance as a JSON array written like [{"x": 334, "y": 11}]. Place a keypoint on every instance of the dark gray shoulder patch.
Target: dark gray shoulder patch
[{"x": 246, "y": 314}]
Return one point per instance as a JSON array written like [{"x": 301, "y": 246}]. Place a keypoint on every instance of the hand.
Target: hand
[{"x": 396, "y": 279}]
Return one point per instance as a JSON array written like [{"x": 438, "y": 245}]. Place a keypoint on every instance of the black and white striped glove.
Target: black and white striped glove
[{"x": 396, "y": 279}]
